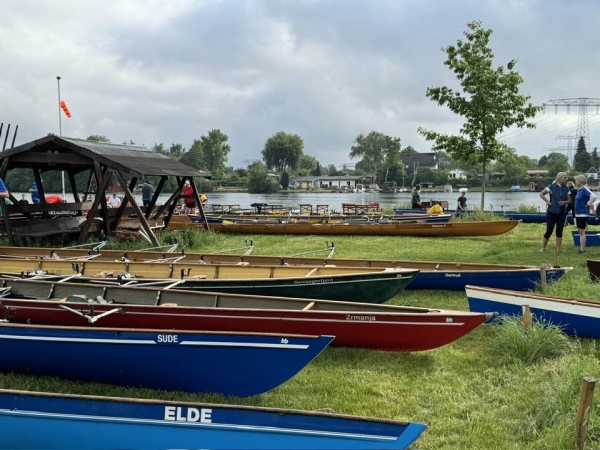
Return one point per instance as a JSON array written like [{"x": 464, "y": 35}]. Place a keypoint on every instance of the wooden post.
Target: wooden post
[
  {"x": 555, "y": 258},
  {"x": 526, "y": 317},
  {"x": 586, "y": 395},
  {"x": 543, "y": 279}
]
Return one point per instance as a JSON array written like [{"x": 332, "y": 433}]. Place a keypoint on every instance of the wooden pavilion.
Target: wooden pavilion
[{"x": 103, "y": 162}]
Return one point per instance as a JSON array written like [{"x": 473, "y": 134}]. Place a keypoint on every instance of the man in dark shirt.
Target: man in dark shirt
[{"x": 147, "y": 192}]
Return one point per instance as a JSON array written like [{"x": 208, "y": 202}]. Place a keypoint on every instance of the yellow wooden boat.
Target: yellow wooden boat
[
  {"x": 450, "y": 229},
  {"x": 372, "y": 285}
]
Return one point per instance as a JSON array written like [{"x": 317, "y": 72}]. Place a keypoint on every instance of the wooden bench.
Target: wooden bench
[{"x": 354, "y": 208}]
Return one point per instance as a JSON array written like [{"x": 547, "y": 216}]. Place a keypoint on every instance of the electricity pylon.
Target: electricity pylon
[{"x": 583, "y": 129}]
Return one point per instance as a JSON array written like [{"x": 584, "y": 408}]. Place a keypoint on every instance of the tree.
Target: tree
[
  {"x": 408, "y": 150},
  {"x": 176, "y": 151},
  {"x": 490, "y": 102},
  {"x": 595, "y": 158},
  {"x": 283, "y": 151},
  {"x": 557, "y": 162},
  {"x": 317, "y": 171},
  {"x": 582, "y": 160},
  {"x": 194, "y": 156},
  {"x": 542, "y": 161},
  {"x": 284, "y": 181},
  {"x": 160, "y": 148},
  {"x": 97, "y": 138},
  {"x": 515, "y": 169},
  {"x": 216, "y": 151},
  {"x": 376, "y": 152},
  {"x": 259, "y": 181},
  {"x": 307, "y": 165}
]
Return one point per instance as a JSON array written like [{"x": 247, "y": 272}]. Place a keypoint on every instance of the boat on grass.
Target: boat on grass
[
  {"x": 319, "y": 219},
  {"x": 576, "y": 317},
  {"x": 36, "y": 420},
  {"x": 372, "y": 285},
  {"x": 450, "y": 229},
  {"x": 432, "y": 274},
  {"x": 363, "y": 325},
  {"x": 240, "y": 364},
  {"x": 594, "y": 269},
  {"x": 592, "y": 238}
]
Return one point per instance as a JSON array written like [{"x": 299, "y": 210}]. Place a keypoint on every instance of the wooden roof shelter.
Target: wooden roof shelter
[{"x": 103, "y": 161}]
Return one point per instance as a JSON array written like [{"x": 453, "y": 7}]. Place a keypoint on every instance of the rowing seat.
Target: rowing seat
[
  {"x": 198, "y": 277},
  {"x": 242, "y": 263},
  {"x": 104, "y": 274},
  {"x": 168, "y": 304}
]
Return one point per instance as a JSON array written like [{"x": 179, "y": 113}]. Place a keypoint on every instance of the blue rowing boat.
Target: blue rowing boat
[
  {"x": 576, "y": 317},
  {"x": 34, "y": 420},
  {"x": 518, "y": 278},
  {"x": 592, "y": 238},
  {"x": 240, "y": 364}
]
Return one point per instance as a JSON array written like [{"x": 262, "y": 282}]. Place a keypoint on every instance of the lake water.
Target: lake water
[
  {"x": 497, "y": 200},
  {"x": 493, "y": 200}
]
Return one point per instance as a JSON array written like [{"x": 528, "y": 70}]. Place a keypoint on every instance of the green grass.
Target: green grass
[{"x": 473, "y": 394}]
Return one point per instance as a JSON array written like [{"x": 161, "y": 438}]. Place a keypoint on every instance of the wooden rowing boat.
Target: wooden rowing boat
[
  {"x": 352, "y": 219},
  {"x": 594, "y": 269},
  {"x": 577, "y": 317},
  {"x": 373, "y": 285},
  {"x": 450, "y": 229},
  {"x": 432, "y": 275},
  {"x": 377, "y": 327}
]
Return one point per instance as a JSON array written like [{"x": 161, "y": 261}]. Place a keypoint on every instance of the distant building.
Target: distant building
[
  {"x": 457, "y": 174},
  {"x": 537, "y": 173},
  {"x": 592, "y": 173},
  {"x": 330, "y": 182}
]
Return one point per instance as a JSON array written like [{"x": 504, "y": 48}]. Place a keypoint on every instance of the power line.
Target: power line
[{"x": 583, "y": 129}]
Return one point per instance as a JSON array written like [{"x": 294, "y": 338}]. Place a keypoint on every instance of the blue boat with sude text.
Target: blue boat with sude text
[
  {"x": 240, "y": 364},
  {"x": 35, "y": 420}
]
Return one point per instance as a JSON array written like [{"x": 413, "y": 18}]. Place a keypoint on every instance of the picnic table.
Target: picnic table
[
  {"x": 356, "y": 208},
  {"x": 218, "y": 208}
]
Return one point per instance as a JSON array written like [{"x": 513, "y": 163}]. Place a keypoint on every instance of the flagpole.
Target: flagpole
[{"x": 62, "y": 173}]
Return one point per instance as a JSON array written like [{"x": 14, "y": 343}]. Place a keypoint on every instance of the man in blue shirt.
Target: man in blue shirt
[
  {"x": 3, "y": 190},
  {"x": 35, "y": 197}
]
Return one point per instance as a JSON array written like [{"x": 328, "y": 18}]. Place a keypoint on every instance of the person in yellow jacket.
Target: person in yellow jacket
[{"x": 435, "y": 209}]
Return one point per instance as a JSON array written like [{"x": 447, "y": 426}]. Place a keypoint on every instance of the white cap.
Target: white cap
[{"x": 463, "y": 190}]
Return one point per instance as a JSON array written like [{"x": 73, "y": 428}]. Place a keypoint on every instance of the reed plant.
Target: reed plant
[{"x": 515, "y": 341}]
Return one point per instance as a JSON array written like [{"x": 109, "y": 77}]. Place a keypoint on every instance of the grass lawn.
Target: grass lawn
[{"x": 469, "y": 393}]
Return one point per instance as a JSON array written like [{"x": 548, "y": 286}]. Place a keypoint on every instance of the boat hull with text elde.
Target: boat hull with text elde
[
  {"x": 576, "y": 317},
  {"x": 240, "y": 364},
  {"x": 372, "y": 285},
  {"x": 450, "y": 229},
  {"x": 364, "y": 325},
  {"x": 441, "y": 275},
  {"x": 36, "y": 420}
]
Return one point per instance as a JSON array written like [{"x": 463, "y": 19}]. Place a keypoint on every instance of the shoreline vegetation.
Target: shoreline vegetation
[{"x": 471, "y": 393}]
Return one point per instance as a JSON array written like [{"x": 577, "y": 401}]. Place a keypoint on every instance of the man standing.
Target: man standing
[
  {"x": 3, "y": 191},
  {"x": 147, "y": 193},
  {"x": 114, "y": 201},
  {"x": 415, "y": 200},
  {"x": 35, "y": 197}
]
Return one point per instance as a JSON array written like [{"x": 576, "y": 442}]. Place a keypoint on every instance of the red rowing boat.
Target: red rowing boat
[{"x": 379, "y": 327}]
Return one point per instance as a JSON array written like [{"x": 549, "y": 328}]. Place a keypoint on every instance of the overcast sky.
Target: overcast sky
[{"x": 155, "y": 71}]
